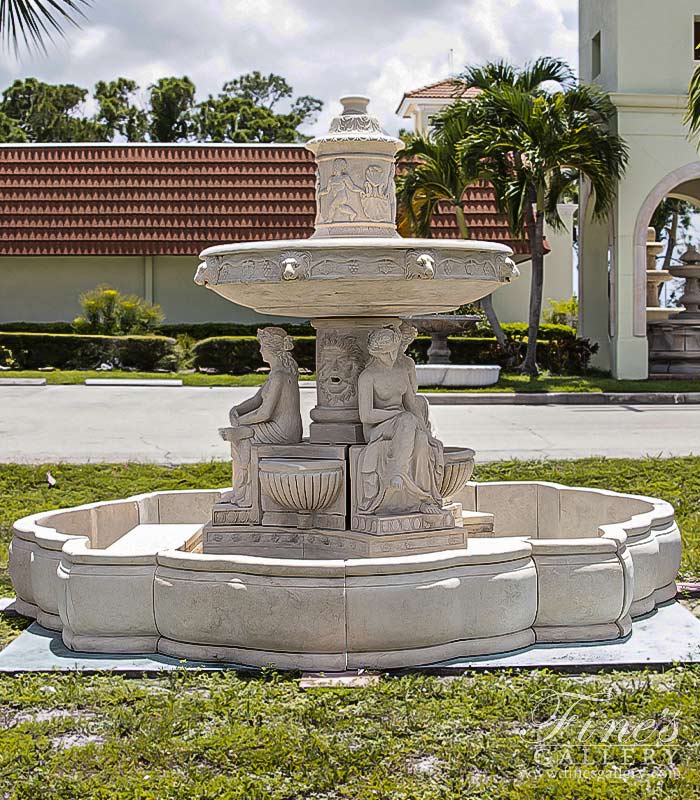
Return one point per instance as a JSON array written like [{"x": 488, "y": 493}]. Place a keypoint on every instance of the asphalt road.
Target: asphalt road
[{"x": 43, "y": 424}]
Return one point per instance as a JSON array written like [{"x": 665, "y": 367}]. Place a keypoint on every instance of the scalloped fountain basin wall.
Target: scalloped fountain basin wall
[{"x": 561, "y": 565}]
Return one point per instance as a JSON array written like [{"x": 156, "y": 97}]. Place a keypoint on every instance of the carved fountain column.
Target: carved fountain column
[
  {"x": 356, "y": 197},
  {"x": 341, "y": 355}
]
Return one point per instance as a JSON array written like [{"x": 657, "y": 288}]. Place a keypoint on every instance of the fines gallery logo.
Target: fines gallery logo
[{"x": 570, "y": 731}]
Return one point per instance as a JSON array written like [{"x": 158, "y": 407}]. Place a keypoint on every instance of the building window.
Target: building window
[
  {"x": 696, "y": 39},
  {"x": 595, "y": 55}
]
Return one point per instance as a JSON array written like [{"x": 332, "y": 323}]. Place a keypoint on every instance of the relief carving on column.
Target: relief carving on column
[{"x": 340, "y": 361}]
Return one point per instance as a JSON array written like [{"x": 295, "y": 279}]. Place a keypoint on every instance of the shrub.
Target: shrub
[
  {"x": 237, "y": 355},
  {"x": 6, "y": 357},
  {"x": 564, "y": 312},
  {"x": 109, "y": 312},
  {"x": 75, "y": 351}
]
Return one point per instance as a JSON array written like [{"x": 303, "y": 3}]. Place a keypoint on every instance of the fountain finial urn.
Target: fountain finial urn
[{"x": 355, "y": 190}]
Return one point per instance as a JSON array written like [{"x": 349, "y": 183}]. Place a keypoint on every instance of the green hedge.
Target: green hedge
[
  {"x": 560, "y": 356},
  {"x": 74, "y": 351},
  {"x": 210, "y": 330},
  {"x": 37, "y": 327},
  {"x": 559, "y": 350},
  {"x": 207, "y": 330},
  {"x": 548, "y": 332},
  {"x": 237, "y": 355},
  {"x": 197, "y": 330}
]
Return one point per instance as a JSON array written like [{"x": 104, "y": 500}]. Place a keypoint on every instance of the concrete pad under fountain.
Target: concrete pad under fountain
[{"x": 364, "y": 545}]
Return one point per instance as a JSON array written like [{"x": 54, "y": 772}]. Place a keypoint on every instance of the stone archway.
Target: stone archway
[{"x": 665, "y": 187}]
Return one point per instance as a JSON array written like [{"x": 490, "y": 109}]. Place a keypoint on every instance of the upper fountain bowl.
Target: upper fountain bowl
[
  {"x": 328, "y": 277},
  {"x": 355, "y": 264}
]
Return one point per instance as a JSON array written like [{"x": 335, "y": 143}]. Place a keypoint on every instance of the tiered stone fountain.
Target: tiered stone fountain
[
  {"x": 655, "y": 280},
  {"x": 364, "y": 545},
  {"x": 674, "y": 343}
]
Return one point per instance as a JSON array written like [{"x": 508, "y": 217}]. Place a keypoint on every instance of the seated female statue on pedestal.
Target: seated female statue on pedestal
[
  {"x": 271, "y": 416},
  {"x": 401, "y": 467}
]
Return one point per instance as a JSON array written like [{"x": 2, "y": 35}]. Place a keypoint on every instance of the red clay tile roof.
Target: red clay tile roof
[
  {"x": 172, "y": 200},
  {"x": 447, "y": 89}
]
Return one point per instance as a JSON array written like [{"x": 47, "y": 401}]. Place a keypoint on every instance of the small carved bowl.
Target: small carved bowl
[
  {"x": 459, "y": 466},
  {"x": 302, "y": 485}
]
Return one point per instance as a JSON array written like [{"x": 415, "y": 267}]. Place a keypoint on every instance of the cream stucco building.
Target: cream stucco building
[{"x": 643, "y": 52}]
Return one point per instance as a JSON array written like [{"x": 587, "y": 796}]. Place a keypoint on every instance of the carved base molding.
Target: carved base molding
[
  {"x": 228, "y": 514},
  {"x": 288, "y": 519},
  {"x": 402, "y": 523},
  {"x": 327, "y": 544}
]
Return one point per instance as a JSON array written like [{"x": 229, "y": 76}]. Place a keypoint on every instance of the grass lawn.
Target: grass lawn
[
  {"x": 194, "y": 735},
  {"x": 508, "y": 382},
  {"x": 407, "y": 738}
]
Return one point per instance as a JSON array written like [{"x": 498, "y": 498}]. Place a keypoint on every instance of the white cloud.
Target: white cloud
[{"x": 323, "y": 47}]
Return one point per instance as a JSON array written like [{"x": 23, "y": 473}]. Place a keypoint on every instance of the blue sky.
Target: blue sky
[{"x": 325, "y": 48}]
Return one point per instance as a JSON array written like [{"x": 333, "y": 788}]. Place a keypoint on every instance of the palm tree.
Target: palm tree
[
  {"x": 36, "y": 21},
  {"x": 533, "y": 144},
  {"x": 434, "y": 173}
]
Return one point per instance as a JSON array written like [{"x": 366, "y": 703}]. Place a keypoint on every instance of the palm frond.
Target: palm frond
[
  {"x": 692, "y": 115},
  {"x": 544, "y": 70},
  {"x": 34, "y": 22},
  {"x": 486, "y": 76}
]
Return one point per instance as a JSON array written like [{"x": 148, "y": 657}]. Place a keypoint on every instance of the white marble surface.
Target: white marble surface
[{"x": 454, "y": 375}]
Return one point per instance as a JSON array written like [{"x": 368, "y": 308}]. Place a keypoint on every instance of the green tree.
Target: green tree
[
  {"x": 117, "y": 111},
  {"x": 673, "y": 217},
  {"x": 170, "y": 116},
  {"x": 34, "y": 22},
  {"x": 432, "y": 172},
  {"x": 46, "y": 112},
  {"x": 10, "y": 130},
  {"x": 246, "y": 111},
  {"x": 533, "y": 142}
]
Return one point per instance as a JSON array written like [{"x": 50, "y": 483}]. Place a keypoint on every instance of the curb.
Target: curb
[
  {"x": 562, "y": 398},
  {"x": 22, "y": 381},
  {"x": 132, "y": 382}
]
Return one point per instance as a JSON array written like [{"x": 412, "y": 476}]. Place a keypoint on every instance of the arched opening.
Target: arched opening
[
  {"x": 672, "y": 329},
  {"x": 683, "y": 183}
]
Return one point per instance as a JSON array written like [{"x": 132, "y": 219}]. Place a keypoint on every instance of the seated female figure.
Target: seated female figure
[
  {"x": 271, "y": 416},
  {"x": 402, "y": 465}
]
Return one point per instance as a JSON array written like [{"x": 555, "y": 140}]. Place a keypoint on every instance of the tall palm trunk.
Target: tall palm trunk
[
  {"x": 672, "y": 237},
  {"x": 534, "y": 221},
  {"x": 485, "y": 302}
]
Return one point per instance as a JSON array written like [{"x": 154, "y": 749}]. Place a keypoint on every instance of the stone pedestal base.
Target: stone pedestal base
[{"x": 674, "y": 346}]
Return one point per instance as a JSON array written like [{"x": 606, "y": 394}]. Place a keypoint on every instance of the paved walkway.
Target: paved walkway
[{"x": 175, "y": 425}]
